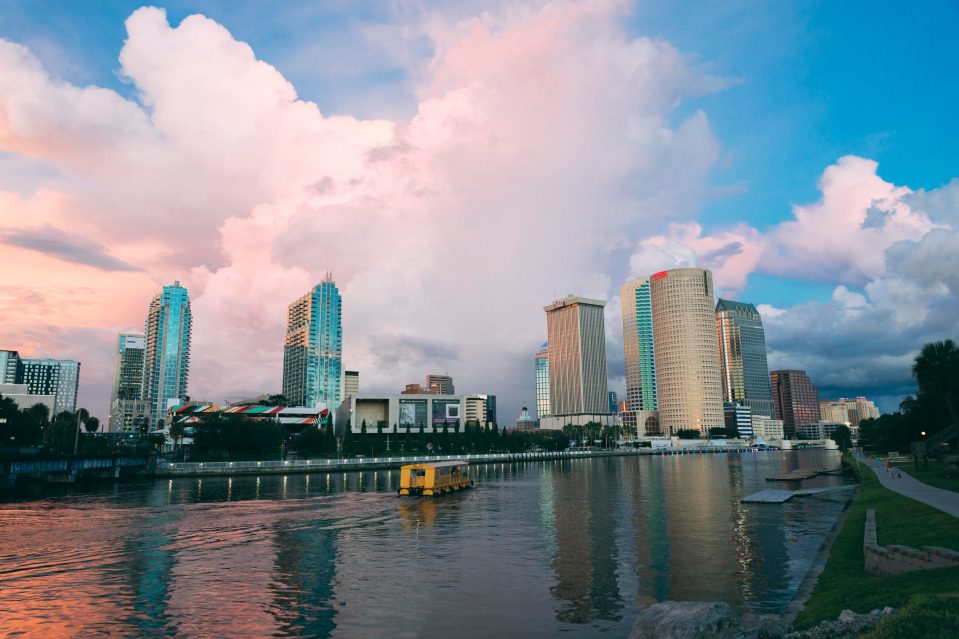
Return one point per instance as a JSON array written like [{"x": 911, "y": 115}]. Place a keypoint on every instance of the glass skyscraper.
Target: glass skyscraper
[
  {"x": 796, "y": 399},
  {"x": 742, "y": 357},
  {"x": 166, "y": 358},
  {"x": 542, "y": 381},
  {"x": 313, "y": 349},
  {"x": 638, "y": 345}
]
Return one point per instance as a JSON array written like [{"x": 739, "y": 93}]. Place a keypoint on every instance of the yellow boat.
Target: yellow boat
[{"x": 432, "y": 479}]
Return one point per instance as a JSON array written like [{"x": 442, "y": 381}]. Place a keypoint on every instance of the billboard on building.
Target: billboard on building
[
  {"x": 412, "y": 413},
  {"x": 446, "y": 410}
]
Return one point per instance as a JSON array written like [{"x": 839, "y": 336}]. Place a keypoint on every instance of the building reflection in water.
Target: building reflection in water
[
  {"x": 585, "y": 560},
  {"x": 535, "y": 548}
]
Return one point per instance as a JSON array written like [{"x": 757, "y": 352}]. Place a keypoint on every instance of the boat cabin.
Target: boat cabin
[{"x": 434, "y": 478}]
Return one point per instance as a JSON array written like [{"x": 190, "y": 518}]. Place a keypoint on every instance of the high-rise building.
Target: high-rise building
[
  {"x": 542, "y": 381},
  {"x": 613, "y": 402},
  {"x": 491, "y": 409},
  {"x": 742, "y": 356},
  {"x": 852, "y": 411},
  {"x": 416, "y": 389},
  {"x": 833, "y": 411},
  {"x": 689, "y": 391},
  {"x": 638, "y": 345},
  {"x": 443, "y": 384},
  {"x": 351, "y": 383},
  {"x": 57, "y": 377},
  {"x": 127, "y": 375},
  {"x": 166, "y": 357},
  {"x": 577, "y": 357},
  {"x": 313, "y": 350},
  {"x": 738, "y": 418},
  {"x": 796, "y": 399},
  {"x": 11, "y": 367}
]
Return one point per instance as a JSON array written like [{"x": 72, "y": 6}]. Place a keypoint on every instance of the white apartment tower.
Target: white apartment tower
[{"x": 688, "y": 383}]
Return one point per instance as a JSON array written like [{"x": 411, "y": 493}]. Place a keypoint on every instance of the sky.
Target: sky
[{"x": 457, "y": 166}]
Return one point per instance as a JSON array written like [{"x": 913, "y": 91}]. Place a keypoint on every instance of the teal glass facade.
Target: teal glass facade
[
  {"x": 542, "y": 382},
  {"x": 166, "y": 359},
  {"x": 313, "y": 350},
  {"x": 742, "y": 357},
  {"x": 638, "y": 346}
]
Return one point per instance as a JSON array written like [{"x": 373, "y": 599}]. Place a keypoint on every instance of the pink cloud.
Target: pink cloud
[{"x": 540, "y": 134}]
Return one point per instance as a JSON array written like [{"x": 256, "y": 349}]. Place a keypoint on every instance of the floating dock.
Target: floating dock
[
  {"x": 782, "y": 496},
  {"x": 803, "y": 473}
]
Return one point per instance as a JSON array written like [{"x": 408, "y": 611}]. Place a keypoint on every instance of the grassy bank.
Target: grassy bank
[{"x": 844, "y": 583}]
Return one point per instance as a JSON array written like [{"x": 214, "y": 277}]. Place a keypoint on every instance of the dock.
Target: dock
[
  {"x": 803, "y": 473},
  {"x": 782, "y": 496}
]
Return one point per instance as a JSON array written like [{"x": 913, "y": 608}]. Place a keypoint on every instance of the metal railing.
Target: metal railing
[{"x": 353, "y": 462}]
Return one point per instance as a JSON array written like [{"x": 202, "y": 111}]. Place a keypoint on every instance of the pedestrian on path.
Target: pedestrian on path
[{"x": 889, "y": 469}]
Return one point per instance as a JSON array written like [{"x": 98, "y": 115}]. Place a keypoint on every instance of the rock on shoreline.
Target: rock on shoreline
[{"x": 717, "y": 620}]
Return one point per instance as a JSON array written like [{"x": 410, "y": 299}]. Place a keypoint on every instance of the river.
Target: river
[{"x": 535, "y": 549}]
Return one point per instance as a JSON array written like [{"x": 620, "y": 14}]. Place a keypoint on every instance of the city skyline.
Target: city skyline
[{"x": 226, "y": 172}]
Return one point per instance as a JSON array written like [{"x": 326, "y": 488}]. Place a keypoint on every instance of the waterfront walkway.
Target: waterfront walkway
[{"x": 945, "y": 500}]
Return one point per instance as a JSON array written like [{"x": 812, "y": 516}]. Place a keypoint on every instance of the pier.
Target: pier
[{"x": 66, "y": 469}]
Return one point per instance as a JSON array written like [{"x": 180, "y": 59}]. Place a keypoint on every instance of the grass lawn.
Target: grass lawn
[
  {"x": 934, "y": 476},
  {"x": 844, "y": 583}
]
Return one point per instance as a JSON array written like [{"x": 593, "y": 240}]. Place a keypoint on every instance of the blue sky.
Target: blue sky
[{"x": 805, "y": 84}]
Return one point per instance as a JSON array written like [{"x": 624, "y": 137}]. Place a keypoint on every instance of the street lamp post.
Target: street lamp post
[{"x": 76, "y": 435}]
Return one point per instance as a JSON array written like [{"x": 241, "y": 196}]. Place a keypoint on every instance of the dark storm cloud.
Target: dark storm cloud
[
  {"x": 71, "y": 248},
  {"x": 392, "y": 351}
]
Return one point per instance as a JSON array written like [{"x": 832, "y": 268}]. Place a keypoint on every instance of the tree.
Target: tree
[
  {"x": 273, "y": 400},
  {"x": 936, "y": 370},
  {"x": 688, "y": 433},
  {"x": 843, "y": 437},
  {"x": 177, "y": 431},
  {"x": 92, "y": 424}
]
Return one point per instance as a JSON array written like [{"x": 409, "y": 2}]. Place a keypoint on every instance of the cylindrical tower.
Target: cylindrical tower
[{"x": 688, "y": 384}]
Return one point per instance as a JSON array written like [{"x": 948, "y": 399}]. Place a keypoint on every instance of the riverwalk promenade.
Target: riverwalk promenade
[
  {"x": 945, "y": 500},
  {"x": 174, "y": 469}
]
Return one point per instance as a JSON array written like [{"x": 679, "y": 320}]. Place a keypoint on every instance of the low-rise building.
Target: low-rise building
[
  {"x": 823, "y": 430},
  {"x": 557, "y": 422},
  {"x": 640, "y": 424},
  {"x": 130, "y": 416},
  {"x": 768, "y": 429},
  {"x": 24, "y": 399},
  {"x": 525, "y": 421},
  {"x": 405, "y": 412}
]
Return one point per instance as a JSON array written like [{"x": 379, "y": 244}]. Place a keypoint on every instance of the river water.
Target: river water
[{"x": 536, "y": 549}]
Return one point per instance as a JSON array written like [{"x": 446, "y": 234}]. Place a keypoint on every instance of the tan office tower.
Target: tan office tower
[
  {"x": 689, "y": 388},
  {"x": 577, "y": 357}
]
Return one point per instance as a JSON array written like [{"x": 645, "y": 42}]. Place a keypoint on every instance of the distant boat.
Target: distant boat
[{"x": 434, "y": 479}]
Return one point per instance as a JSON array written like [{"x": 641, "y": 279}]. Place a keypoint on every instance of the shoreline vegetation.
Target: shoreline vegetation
[{"x": 925, "y": 600}]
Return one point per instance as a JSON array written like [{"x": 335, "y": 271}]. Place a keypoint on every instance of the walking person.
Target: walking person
[{"x": 889, "y": 469}]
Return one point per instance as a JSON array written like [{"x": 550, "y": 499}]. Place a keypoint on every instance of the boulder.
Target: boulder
[{"x": 688, "y": 620}]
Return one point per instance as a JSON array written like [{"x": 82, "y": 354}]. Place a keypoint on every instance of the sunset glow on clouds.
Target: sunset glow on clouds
[{"x": 550, "y": 151}]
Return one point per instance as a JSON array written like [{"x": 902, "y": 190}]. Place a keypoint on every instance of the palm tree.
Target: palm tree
[
  {"x": 177, "y": 430},
  {"x": 936, "y": 370}
]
